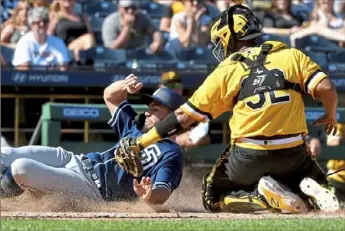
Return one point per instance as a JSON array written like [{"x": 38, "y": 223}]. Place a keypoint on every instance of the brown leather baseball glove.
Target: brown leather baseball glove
[{"x": 127, "y": 156}]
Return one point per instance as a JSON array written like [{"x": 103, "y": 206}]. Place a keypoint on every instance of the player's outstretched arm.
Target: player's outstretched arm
[
  {"x": 173, "y": 124},
  {"x": 116, "y": 92}
]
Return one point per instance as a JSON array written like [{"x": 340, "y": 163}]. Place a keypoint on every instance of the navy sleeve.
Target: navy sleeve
[
  {"x": 123, "y": 119},
  {"x": 169, "y": 174}
]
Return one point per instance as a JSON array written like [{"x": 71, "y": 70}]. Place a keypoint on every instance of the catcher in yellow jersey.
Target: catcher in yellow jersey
[{"x": 267, "y": 165}]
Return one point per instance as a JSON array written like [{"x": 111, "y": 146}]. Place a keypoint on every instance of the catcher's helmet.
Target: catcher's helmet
[{"x": 233, "y": 24}]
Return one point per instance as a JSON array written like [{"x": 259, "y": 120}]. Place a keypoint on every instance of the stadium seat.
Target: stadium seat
[
  {"x": 200, "y": 58},
  {"x": 7, "y": 53},
  {"x": 317, "y": 56},
  {"x": 337, "y": 56},
  {"x": 141, "y": 58},
  {"x": 198, "y": 55},
  {"x": 274, "y": 37},
  {"x": 102, "y": 57},
  {"x": 71, "y": 57},
  {"x": 100, "y": 8},
  {"x": 153, "y": 9},
  {"x": 316, "y": 43},
  {"x": 337, "y": 61},
  {"x": 96, "y": 25}
]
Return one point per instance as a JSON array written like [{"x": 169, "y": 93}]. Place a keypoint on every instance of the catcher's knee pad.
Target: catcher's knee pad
[
  {"x": 9, "y": 188},
  {"x": 208, "y": 196}
]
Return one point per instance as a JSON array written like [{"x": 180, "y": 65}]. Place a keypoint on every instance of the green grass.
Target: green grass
[{"x": 178, "y": 224}]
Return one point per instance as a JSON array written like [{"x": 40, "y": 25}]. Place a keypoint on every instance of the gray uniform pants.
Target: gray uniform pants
[{"x": 49, "y": 170}]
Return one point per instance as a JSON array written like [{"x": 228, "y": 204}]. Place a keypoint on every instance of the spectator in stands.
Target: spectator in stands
[
  {"x": 40, "y": 3},
  {"x": 172, "y": 80},
  {"x": 175, "y": 7},
  {"x": 323, "y": 21},
  {"x": 37, "y": 48},
  {"x": 17, "y": 26},
  {"x": 198, "y": 133},
  {"x": 73, "y": 28},
  {"x": 128, "y": 29},
  {"x": 189, "y": 28},
  {"x": 280, "y": 20}
]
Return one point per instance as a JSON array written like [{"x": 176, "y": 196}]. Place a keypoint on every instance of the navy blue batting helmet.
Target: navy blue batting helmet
[{"x": 166, "y": 97}]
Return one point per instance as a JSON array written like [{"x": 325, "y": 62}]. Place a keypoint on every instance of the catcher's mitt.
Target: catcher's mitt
[{"x": 127, "y": 156}]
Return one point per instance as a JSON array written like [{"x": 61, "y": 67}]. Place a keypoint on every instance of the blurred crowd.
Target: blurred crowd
[{"x": 54, "y": 32}]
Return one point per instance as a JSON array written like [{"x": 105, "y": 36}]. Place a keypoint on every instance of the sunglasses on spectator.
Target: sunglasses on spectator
[
  {"x": 134, "y": 8},
  {"x": 45, "y": 21}
]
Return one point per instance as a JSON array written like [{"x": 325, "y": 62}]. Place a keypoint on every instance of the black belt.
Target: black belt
[{"x": 88, "y": 167}]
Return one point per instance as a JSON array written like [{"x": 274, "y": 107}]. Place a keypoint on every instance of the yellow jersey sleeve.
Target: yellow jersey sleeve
[
  {"x": 309, "y": 72},
  {"x": 212, "y": 98}
]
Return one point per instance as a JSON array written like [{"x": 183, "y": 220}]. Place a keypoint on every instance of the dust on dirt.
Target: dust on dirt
[
  {"x": 185, "y": 199},
  {"x": 184, "y": 203}
]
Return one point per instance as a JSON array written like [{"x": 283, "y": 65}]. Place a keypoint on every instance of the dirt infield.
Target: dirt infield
[
  {"x": 185, "y": 199},
  {"x": 184, "y": 203},
  {"x": 100, "y": 215}
]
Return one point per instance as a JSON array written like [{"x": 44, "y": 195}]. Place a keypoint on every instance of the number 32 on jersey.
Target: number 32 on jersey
[
  {"x": 273, "y": 98},
  {"x": 270, "y": 96}
]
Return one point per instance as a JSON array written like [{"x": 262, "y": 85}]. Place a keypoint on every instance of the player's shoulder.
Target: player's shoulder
[
  {"x": 170, "y": 147},
  {"x": 282, "y": 48}
]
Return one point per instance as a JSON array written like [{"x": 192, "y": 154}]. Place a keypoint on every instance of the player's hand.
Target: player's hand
[
  {"x": 128, "y": 20},
  {"x": 144, "y": 189},
  {"x": 330, "y": 123},
  {"x": 133, "y": 84},
  {"x": 199, "y": 13}
]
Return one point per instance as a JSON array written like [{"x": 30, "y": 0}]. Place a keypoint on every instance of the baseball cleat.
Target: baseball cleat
[
  {"x": 281, "y": 197},
  {"x": 244, "y": 204},
  {"x": 322, "y": 198}
]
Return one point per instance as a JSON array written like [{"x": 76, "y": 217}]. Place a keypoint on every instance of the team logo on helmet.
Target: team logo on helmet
[{"x": 233, "y": 24}]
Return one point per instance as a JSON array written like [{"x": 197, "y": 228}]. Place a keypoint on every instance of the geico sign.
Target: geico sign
[{"x": 81, "y": 112}]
